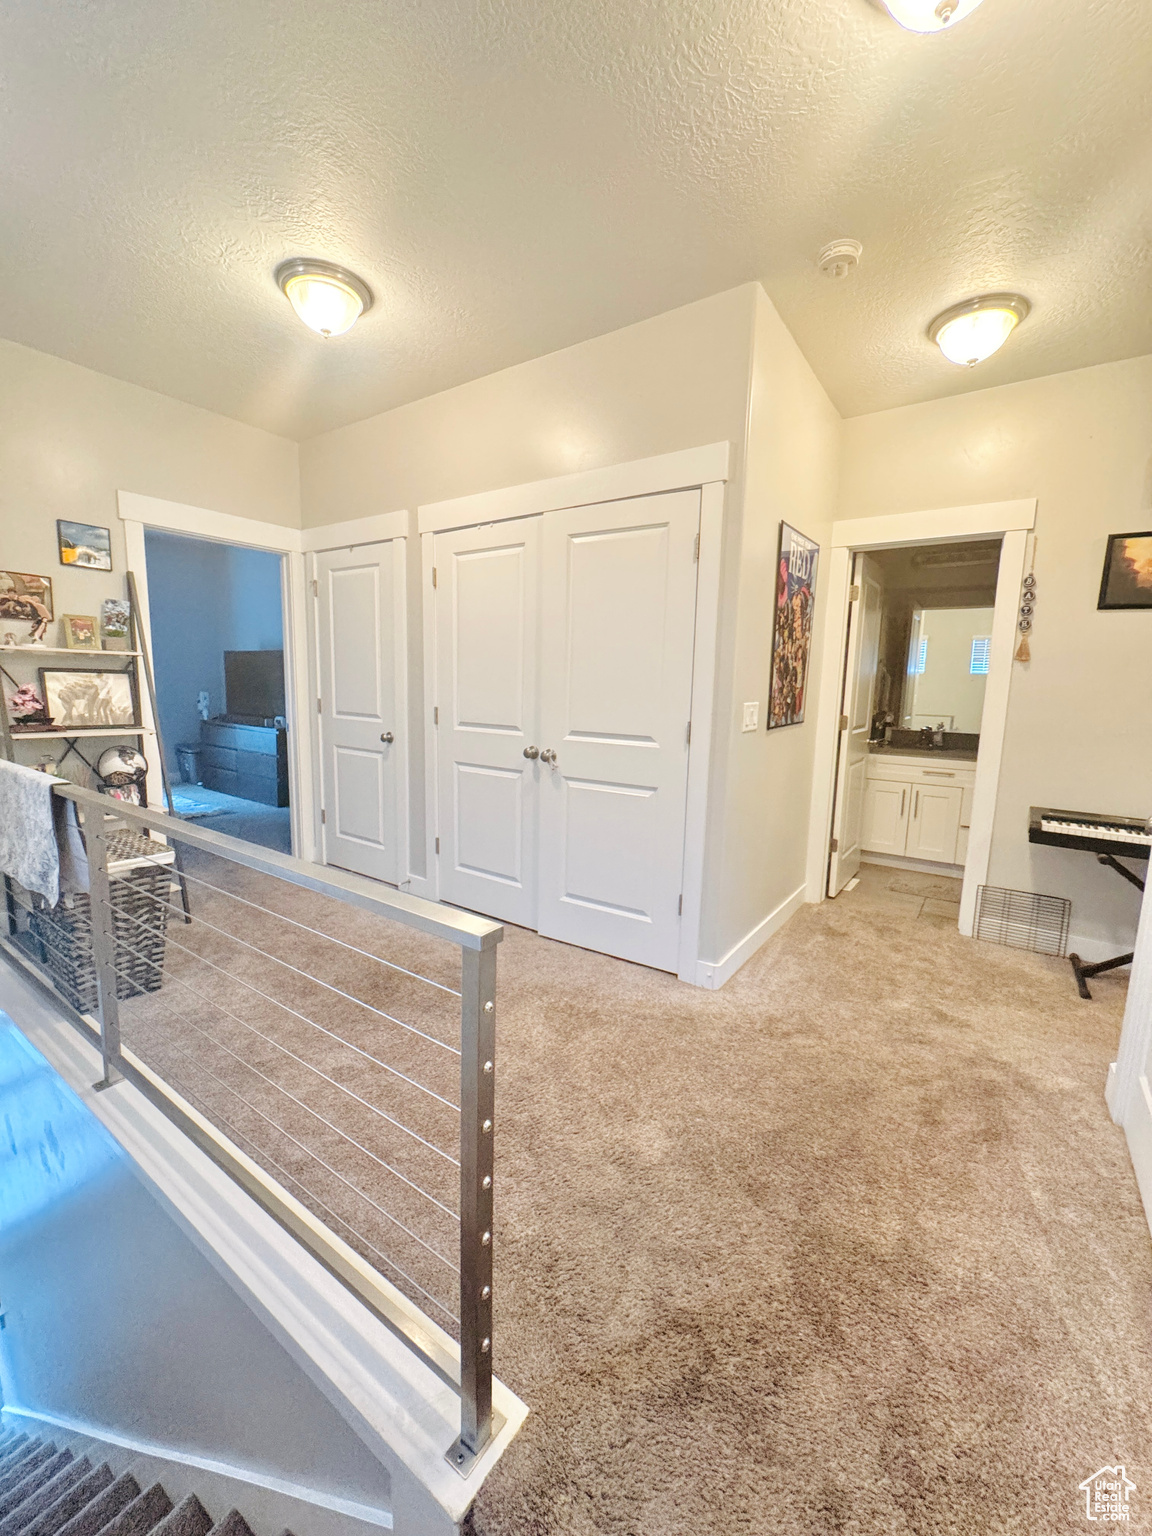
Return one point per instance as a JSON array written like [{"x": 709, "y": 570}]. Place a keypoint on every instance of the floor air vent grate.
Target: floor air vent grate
[{"x": 1023, "y": 919}]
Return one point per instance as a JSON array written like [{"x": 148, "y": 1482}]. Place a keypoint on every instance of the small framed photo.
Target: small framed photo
[
  {"x": 115, "y": 623},
  {"x": 80, "y": 632},
  {"x": 79, "y": 700},
  {"x": 84, "y": 544},
  {"x": 27, "y": 597},
  {"x": 1127, "y": 579}
]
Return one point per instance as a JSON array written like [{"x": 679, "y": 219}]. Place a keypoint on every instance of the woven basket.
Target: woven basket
[{"x": 140, "y": 897}]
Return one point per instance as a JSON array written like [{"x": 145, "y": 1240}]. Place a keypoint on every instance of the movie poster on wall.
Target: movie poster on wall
[{"x": 792, "y": 631}]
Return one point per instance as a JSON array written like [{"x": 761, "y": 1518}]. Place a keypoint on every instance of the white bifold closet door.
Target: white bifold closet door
[
  {"x": 360, "y": 605},
  {"x": 564, "y": 679}
]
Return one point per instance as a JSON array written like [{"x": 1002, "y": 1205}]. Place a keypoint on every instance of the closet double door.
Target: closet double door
[{"x": 563, "y": 695}]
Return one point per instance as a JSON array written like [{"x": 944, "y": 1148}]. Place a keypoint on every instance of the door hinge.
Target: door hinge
[
  {"x": 843, "y": 722},
  {"x": 854, "y": 594},
  {"x": 433, "y": 575},
  {"x": 435, "y": 714},
  {"x": 319, "y": 706},
  {"x": 680, "y": 907},
  {"x": 834, "y": 845},
  {"x": 696, "y": 548},
  {"x": 323, "y": 818},
  {"x": 688, "y": 734},
  {"x": 315, "y": 587},
  {"x": 437, "y": 845}
]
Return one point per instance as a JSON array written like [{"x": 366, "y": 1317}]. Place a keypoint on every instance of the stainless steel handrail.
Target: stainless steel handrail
[{"x": 476, "y": 938}]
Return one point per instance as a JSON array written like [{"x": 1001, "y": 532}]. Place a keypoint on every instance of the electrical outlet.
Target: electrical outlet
[{"x": 752, "y": 716}]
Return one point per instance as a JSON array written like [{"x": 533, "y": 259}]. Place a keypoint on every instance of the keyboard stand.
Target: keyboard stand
[{"x": 1081, "y": 971}]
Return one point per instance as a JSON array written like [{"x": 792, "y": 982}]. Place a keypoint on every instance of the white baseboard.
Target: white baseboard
[
  {"x": 714, "y": 973},
  {"x": 1138, "y": 1130},
  {"x": 919, "y": 866},
  {"x": 1091, "y": 948}
]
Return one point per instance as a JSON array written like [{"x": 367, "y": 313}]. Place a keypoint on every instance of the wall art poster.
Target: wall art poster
[
  {"x": 1127, "y": 579},
  {"x": 84, "y": 544},
  {"x": 87, "y": 700},
  {"x": 792, "y": 632},
  {"x": 23, "y": 596}
]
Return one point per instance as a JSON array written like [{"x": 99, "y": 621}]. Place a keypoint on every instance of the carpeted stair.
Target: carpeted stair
[{"x": 46, "y": 1490}]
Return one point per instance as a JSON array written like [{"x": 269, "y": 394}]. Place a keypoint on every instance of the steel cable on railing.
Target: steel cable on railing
[
  {"x": 316, "y": 1115},
  {"x": 303, "y": 1017},
  {"x": 287, "y": 964},
  {"x": 307, "y": 1064},
  {"x": 305, "y": 927},
  {"x": 268, "y": 1038}
]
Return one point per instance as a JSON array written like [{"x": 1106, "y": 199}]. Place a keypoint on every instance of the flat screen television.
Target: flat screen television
[{"x": 254, "y": 685}]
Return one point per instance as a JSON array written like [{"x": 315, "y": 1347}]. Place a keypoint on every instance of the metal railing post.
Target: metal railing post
[
  {"x": 477, "y": 1113},
  {"x": 103, "y": 946}
]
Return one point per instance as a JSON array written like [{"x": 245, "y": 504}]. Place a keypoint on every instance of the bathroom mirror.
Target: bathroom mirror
[{"x": 948, "y": 653}]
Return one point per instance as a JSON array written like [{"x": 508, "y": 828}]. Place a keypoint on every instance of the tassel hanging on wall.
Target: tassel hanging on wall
[{"x": 1027, "y": 610}]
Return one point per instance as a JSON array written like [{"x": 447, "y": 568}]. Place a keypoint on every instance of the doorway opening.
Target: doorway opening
[
  {"x": 217, "y": 623},
  {"x": 916, "y": 666}
]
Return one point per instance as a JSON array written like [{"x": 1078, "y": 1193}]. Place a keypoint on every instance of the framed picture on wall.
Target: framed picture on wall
[
  {"x": 24, "y": 596},
  {"x": 792, "y": 627},
  {"x": 1127, "y": 578},
  {"x": 84, "y": 544}
]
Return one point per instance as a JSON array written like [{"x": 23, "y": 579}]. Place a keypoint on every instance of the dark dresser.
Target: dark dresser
[{"x": 246, "y": 760}]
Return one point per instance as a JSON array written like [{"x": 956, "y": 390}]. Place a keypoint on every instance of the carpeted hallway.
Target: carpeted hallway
[{"x": 850, "y": 1245}]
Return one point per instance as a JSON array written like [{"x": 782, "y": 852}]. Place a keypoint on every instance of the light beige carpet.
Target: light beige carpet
[{"x": 848, "y": 1246}]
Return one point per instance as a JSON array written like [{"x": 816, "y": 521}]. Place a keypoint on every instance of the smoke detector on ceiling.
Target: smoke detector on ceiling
[{"x": 840, "y": 257}]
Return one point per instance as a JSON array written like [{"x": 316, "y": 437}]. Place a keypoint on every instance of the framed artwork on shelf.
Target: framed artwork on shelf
[
  {"x": 1127, "y": 578},
  {"x": 115, "y": 623},
  {"x": 80, "y": 700},
  {"x": 25, "y": 597},
  {"x": 80, "y": 633},
  {"x": 792, "y": 627},
  {"x": 84, "y": 544}
]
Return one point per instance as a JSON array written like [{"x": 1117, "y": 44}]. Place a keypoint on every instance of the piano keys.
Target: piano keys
[{"x": 1128, "y": 837}]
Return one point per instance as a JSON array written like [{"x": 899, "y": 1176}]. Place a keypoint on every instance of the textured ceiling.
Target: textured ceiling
[{"x": 512, "y": 176}]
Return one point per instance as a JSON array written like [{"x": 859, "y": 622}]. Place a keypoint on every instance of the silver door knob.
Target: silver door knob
[
  {"x": 387, "y": 738},
  {"x": 548, "y": 756},
  {"x": 532, "y": 752}
]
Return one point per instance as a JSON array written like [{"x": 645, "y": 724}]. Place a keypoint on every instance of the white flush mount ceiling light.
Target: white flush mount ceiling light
[
  {"x": 969, "y": 332},
  {"x": 329, "y": 299},
  {"x": 928, "y": 15}
]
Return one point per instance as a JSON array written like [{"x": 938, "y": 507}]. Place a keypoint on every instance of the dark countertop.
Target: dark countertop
[{"x": 946, "y": 754}]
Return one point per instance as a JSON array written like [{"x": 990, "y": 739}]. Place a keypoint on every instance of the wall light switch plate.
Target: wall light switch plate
[{"x": 752, "y": 716}]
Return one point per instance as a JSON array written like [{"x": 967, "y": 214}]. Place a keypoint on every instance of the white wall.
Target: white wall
[
  {"x": 759, "y": 822},
  {"x": 1079, "y": 732}
]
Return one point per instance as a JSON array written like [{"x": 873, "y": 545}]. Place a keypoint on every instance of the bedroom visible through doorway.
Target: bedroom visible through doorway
[{"x": 217, "y": 626}]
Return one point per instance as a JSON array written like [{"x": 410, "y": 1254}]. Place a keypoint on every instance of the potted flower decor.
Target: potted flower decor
[{"x": 29, "y": 711}]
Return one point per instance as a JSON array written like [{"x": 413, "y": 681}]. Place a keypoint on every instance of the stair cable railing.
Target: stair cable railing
[{"x": 381, "y": 1124}]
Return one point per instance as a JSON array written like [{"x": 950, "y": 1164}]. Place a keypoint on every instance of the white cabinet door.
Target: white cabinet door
[
  {"x": 486, "y": 694},
  {"x": 935, "y": 823},
  {"x": 886, "y": 806},
  {"x": 856, "y": 724},
  {"x": 360, "y": 614},
  {"x": 618, "y": 603}
]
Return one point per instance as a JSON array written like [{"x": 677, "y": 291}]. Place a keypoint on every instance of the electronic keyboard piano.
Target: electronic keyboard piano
[{"x": 1110, "y": 838}]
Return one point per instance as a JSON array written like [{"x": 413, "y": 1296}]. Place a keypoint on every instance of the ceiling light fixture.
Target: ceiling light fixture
[
  {"x": 329, "y": 299},
  {"x": 969, "y": 332},
  {"x": 927, "y": 15}
]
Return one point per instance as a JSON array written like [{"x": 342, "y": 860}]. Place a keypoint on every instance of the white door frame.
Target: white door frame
[
  {"x": 139, "y": 512},
  {"x": 704, "y": 469},
  {"x": 382, "y": 528},
  {"x": 1011, "y": 520}
]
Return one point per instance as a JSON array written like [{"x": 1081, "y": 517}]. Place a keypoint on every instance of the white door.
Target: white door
[
  {"x": 886, "y": 807},
  {"x": 487, "y": 582},
  {"x": 855, "y": 723},
  {"x": 618, "y": 605},
  {"x": 360, "y": 615},
  {"x": 935, "y": 823}
]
